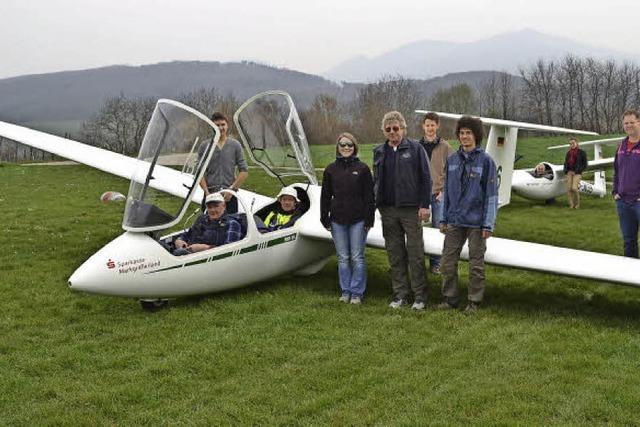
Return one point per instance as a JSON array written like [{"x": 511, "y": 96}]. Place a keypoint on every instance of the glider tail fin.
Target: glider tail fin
[{"x": 501, "y": 146}]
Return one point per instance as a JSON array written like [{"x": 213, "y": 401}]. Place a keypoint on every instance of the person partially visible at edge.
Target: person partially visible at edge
[
  {"x": 575, "y": 162},
  {"x": 286, "y": 212},
  {"x": 347, "y": 209},
  {"x": 211, "y": 229},
  {"x": 626, "y": 182},
  {"x": 403, "y": 194},
  {"x": 221, "y": 171},
  {"x": 437, "y": 150},
  {"x": 469, "y": 213}
]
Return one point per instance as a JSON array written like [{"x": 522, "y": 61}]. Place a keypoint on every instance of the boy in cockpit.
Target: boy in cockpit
[{"x": 286, "y": 213}]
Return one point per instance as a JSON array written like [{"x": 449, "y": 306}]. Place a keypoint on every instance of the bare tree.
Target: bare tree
[
  {"x": 120, "y": 124},
  {"x": 324, "y": 120},
  {"x": 375, "y": 99},
  {"x": 459, "y": 98}
]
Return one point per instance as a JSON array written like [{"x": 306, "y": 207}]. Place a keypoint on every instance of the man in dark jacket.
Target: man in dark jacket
[
  {"x": 575, "y": 163},
  {"x": 403, "y": 194},
  {"x": 214, "y": 228},
  {"x": 469, "y": 213}
]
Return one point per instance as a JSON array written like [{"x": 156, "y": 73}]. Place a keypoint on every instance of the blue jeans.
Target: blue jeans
[
  {"x": 436, "y": 215},
  {"x": 352, "y": 270},
  {"x": 629, "y": 216}
]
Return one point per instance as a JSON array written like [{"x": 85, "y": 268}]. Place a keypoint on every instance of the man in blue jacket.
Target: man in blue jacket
[
  {"x": 402, "y": 186},
  {"x": 211, "y": 229},
  {"x": 469, "y": 213}
]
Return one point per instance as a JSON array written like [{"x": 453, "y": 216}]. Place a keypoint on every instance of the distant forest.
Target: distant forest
[{"x": 581, "y": 93}]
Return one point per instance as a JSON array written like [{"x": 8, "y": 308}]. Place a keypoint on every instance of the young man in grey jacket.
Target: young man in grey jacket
[{"x": 221, "y": 171}]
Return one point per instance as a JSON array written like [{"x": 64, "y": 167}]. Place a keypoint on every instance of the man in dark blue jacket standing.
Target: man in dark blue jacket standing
[
  {"x": 402, "y": 186},
  {"x": 469, "y": 213}
]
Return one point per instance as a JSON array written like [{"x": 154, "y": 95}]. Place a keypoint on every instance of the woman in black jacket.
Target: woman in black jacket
[{"x": 347, "y": 209}]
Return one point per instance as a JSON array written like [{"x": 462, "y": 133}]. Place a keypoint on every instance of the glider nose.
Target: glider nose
[{"x": 80, "y": 280}]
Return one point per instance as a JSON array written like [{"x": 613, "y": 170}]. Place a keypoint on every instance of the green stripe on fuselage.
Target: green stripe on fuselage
[{"x": 248, "y": 249}]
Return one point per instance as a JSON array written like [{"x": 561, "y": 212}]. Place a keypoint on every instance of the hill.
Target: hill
[
  {"x": 429, "y": 58},
  {"x": 60, "y": 101},
  {"x": 75, "y": 95}
]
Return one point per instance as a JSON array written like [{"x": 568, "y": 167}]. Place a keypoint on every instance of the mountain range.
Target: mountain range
[
  {"x": 504, "y": 52},
  {"x": 74, "y": 96}
]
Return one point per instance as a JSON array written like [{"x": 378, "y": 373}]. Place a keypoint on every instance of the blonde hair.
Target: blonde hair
[{"x": 392, "y": 116}]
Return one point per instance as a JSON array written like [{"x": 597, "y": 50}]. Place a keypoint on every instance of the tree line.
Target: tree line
[{"x": 581, "y": 93}]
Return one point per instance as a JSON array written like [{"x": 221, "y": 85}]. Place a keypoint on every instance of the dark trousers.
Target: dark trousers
[
  {"x": 454, "y": 240},
  {"x": 404, "y": 256},
  {"x": 629, "y": 216}
]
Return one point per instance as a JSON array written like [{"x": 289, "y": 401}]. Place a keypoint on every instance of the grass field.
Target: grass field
[{"x": 543, "y": 350}]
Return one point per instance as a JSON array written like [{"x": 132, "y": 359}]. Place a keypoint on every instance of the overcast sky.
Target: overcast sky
[{"x": 38, "y": 36}]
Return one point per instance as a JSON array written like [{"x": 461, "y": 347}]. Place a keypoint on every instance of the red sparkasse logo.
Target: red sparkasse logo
[{"x": 111, "y": 264}]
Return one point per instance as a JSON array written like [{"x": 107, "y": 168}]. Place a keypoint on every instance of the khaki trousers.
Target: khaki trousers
[
  {"x": 453, "y": 242},
  {"x": 398, "y": 224},
  {"x": 573, "y": 189}
]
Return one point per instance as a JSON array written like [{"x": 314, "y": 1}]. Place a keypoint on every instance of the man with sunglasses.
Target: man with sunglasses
[{"x": 402, "y": 185}]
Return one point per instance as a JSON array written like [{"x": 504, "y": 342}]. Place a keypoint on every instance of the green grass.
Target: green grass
[{"x": 544, "y": 349}]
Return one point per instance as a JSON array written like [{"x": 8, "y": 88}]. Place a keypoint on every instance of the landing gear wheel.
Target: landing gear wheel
[{"x": 154, "y": 304}]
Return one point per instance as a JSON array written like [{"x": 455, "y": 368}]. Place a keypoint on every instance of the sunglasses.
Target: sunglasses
[
  {"x": 346, "y": 144},
  {"x": 389, "y": 129}
]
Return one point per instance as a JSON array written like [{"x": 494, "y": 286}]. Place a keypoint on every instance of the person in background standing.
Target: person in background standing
[{"x": 437, "y": 151}]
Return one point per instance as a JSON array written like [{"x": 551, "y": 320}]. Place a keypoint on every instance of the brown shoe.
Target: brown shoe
[
  {"x": 471, "y": 307},
  {"x": 447, "y": 304}
]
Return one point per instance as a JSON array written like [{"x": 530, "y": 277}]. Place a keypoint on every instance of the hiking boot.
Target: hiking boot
[
  {"x": 397, "y": 303},
  {"x": 445, "y": 305},
  {"x": 435, "y": 269},
  {"x": 471, "y": 307},
  {"x": 344, "y": 298},
  {"x": 356, "y": 300},
  {"x": 418, "y": 305}
]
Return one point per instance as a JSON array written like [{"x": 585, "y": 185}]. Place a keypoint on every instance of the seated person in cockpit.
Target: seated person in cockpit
[
  {"x": 286, "y": 212},
  {"x": 542, "y": 172},
  {"x": 213, "y": 228}
]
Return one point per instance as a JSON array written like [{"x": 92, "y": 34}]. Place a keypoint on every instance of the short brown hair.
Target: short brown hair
[
  {"x": 351, "y": 138},
  {"x": 631, "y": 113},
  {"x": 217, "y": 115},
  {"x": 431, "y": 116}
]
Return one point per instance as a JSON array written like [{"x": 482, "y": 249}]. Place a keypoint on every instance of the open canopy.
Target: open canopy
[
  {"x": 272, "y": 133},
  {"x": 182, "y": 138}
]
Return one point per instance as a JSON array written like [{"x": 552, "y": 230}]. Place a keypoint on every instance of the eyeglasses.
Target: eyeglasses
[
  {"x": 346, "y": 144},
  {"x": 391, "y": 128}
]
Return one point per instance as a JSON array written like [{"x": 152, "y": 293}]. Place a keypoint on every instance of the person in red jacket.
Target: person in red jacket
[{"x": 575, "y": 163}]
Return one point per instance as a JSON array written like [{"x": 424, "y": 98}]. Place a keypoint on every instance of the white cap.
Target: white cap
[
  {"x": 288, "y": 191},
  {"x": 214, "y": 197}
]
